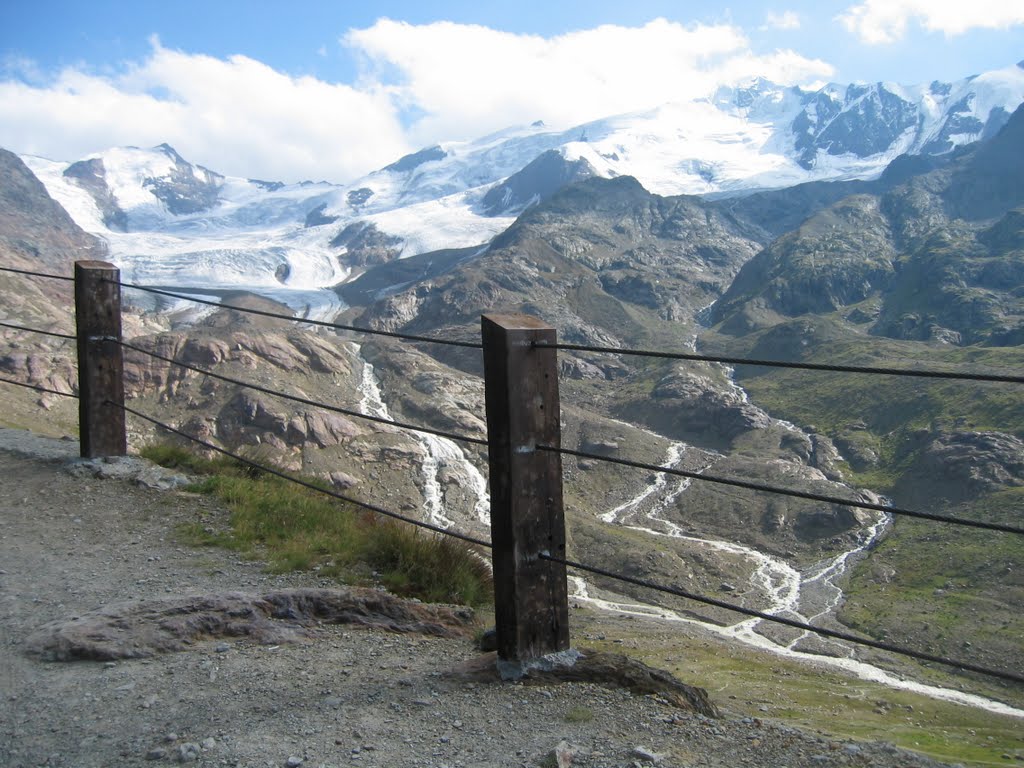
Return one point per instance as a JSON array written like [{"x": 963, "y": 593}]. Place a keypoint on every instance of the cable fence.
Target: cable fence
[{"x": 524, "y": 452}]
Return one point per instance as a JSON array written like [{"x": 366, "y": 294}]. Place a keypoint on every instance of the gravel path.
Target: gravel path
[{"x": 71, "y": 543}]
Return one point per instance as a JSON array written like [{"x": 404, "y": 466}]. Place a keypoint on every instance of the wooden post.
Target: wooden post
[
  {"x": 100, "y": 369},
  {"x": 527, "y": 518}
]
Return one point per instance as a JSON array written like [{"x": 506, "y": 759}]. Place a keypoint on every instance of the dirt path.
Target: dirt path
[{"x": 72, "y": 544}]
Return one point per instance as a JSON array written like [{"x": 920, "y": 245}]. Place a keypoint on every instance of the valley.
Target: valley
[{"x": 878, "y": 258}]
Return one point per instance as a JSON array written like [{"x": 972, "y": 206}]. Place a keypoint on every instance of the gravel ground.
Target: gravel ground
[{"x": 71, "y": 543}]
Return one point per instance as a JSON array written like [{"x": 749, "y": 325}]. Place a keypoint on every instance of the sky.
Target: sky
[{"x": 334, "y": 89}]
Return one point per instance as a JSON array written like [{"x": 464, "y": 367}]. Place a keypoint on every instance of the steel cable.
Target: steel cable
[
  {"x": 303, "y": 400},
  {"x": 304, "y": 483},
  {"x": 782, "y": 364},
  {"x": 789, "y": 492},
  {"x": 306, "y": 321},
  {"x": 37, "y": 274},
  {"x": 37, "y": 330},
  {"x": 962, "y": 665},
  {"x": 38, "y": 388}
]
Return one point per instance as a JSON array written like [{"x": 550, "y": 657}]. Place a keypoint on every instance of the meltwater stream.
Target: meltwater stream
[
  {"x": 439, "y": 453},
  {"x": 788, "y": 591}
]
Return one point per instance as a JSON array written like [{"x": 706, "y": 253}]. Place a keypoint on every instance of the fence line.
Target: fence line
[
  {"x": 934, "y": 517},
  {"x": 524, "y": 455}
]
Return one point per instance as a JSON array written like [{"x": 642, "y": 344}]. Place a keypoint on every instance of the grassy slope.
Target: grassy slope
[{"x": 294, "y": 528}]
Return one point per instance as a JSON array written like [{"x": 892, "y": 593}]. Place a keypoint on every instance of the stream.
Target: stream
[
  {"x": 440, "y": 454},
  {"x": 808, "y": 596}
]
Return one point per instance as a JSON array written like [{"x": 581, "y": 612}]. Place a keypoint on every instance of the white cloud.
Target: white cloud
[
  {"x": 885, "y": 21},
  {"x": 787, "y": 20},
  {"x": 237, "y": 116},
  {"x": 467, "y": 80},
  {"x": 418, "y": 85}
]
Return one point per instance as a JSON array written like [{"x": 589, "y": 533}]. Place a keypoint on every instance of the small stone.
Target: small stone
[
  {"x": 209, "y": 743},
  {"x": 159, "y": 753},
  {"x": 489, "y": 640},
  {"x": 562, "y": 755},
  {"x": 222, "y": 648},
  {"x": 645, "y": 755},
  {"x": 171, "y": 737},
  {"x": 188, "y": 752},
  {"x": 293, "y": 762}
]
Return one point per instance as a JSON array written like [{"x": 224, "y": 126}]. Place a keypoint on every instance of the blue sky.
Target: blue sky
[{"x": 283, "y": 90}]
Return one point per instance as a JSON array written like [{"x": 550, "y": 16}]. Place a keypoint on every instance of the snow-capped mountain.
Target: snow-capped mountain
[{"x": 170, "y": 222}]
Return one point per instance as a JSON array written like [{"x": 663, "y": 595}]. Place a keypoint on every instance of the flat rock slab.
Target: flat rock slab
[
  {"x": 612, "y": 670},
  {"x": 140, "y": 629}
]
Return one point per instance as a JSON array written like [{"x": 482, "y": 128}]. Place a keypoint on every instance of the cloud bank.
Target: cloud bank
[
  {"x": 878, "y": 22},
  {"x": 417, "y": 85}
]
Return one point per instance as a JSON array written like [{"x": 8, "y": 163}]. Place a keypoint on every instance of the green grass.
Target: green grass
[
  {"x": 297, "y": 529},
  {"x": 579, "y": 715},
  {"x": 745, "y": 682}
]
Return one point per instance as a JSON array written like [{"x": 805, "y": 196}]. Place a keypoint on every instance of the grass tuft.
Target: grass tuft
[{"x": 296, "y": 529}]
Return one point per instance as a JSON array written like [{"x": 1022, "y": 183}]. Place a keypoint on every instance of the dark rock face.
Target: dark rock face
[
  {"x": 991, "y": 180},
  {"x": 316, "y": 217},
  {"x": 91, "y": 176},
  {"x": 961, "y": 465},
  {"x": 366, "y": 244},
  {"x": 186, "y": 189},
  {"x": 694, "y": 405},
  {"x": 544, "y": 176},
  {"x": 839, "y": 257},
  {"x": 870, "y": 127},
  {"x": 35, "y": 230},
  {"x": 269, "y": 186},
  {"x": 357, "y": 197},
  {"x": 416, "y": 159}
]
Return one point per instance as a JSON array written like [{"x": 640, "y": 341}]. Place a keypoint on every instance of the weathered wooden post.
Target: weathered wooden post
[
  {"x": 100, "y": 367},
  {"x": 527, "y": 517}
]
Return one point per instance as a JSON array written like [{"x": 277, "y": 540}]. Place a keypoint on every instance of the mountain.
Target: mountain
[
  {"x": 171, "y": 222},
  {"x": 899, "y": 259}
]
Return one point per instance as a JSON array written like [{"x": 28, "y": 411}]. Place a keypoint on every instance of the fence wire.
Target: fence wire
[
  {"x": 37, "y": 387},
  {"x": 303, "y": 483},
  {"x": 921, "y": 656},
  {"x": 30, "y": 273},
  {"x": 39, "y": 330},
  {"x": 306, "y": 321},
  {"x": 926, "y": 374},
  {"x": 303, "y": 400},
  {"x": 934, "y": 517}
]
